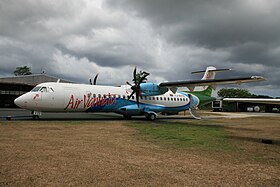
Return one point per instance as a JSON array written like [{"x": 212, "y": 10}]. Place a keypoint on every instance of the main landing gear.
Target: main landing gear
[{"x": 151, "y": 116}]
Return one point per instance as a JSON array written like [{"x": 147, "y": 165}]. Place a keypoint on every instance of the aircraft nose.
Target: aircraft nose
[{"x": 19, "y": 102}]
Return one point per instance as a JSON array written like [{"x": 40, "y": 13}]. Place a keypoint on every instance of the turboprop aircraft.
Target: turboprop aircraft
[{"x": 140, "y": 98}]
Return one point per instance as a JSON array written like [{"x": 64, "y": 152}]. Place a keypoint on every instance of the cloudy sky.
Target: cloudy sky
[{"x": 75, "y": 39}]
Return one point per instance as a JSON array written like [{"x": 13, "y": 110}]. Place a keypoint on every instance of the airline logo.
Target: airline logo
[{"x": 89, "y": 102}]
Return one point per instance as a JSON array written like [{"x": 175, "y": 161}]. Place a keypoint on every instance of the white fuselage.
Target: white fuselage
[{"x": 67, "y": 97}]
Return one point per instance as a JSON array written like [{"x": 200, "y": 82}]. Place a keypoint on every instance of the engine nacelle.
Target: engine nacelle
[{"x": 152, "y": 89}]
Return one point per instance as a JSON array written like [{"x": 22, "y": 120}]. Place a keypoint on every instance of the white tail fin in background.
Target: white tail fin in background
[{"x": 209, "y": 74}]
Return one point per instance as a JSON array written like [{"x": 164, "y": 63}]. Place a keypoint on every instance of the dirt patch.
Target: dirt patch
[{"x": 92, "y": 153}]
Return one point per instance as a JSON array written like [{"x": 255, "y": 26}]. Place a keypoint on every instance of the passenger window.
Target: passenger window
[
  {"x": 153, "y": 98},
  {"x": 141, "y": 97},
  {"x": 132, "y": 97},
  {"x": 171, "y": 99},
  {"x": 123, "y": 96},
  {"x": 164, "y": 98},
  {"x": 160, "y": 98},
  {"x": 157, "y": 98}
]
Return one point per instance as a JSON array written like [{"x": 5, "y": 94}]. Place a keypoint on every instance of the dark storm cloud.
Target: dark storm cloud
[
  {"x": 112, "y": 55},
  {"x": 33, "y": 32},
  {"x": 75, "y": 39},
  {"x": 247, "y": 31},
  {"x": 215, "y": 23}
]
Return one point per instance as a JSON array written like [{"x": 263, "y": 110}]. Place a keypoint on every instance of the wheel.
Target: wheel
[
  {"x": 151, "y": 116},
  {"x": 35, "y": 117}
]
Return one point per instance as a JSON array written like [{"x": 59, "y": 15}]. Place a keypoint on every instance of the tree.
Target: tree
[
  {"x": 23, "y": 70},
  {"x": 234, "y": 92},
  {"x": 141, "y": 74}
]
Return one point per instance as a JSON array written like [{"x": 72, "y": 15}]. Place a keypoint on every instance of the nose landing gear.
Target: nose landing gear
[{"x": 36, "y": 115}]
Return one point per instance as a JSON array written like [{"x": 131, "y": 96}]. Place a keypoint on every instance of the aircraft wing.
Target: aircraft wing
[
  {"x": 254, "y": 100},
  {"x": 192, "y": 84}
]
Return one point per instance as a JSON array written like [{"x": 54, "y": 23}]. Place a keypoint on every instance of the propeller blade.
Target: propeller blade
[
  {"x": 131, "y": 95},
  {"x": 128, "y": 83},
  {"x": 95, "y": 78},
  {"x": 142, "y": 79},
  {"x": 137, "y": 99},
  {"x": 134, "y": 75}
]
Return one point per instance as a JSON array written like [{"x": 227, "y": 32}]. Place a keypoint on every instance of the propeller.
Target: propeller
[
  {"x": 136, "y": 87},
  {"x": 94, "y": 80}
]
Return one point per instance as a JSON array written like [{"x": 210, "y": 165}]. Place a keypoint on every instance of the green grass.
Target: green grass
[{"x": 186, "y": 135}]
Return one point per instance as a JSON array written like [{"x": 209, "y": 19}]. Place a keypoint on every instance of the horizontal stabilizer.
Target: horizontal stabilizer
[{"x": 214, "y": 70}]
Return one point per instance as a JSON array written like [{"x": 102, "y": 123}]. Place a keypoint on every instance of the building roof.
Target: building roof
[{"x": 31, "y": 80}]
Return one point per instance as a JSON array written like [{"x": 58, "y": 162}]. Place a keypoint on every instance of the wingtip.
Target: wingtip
[{"x": 260, "y": 78}]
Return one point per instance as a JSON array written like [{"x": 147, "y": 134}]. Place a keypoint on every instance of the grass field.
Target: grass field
[
  {"x": 185, "y": 135},
  {"x": 223, "y": 152}
]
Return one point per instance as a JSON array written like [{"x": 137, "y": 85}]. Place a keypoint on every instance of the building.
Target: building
[
  {"x": 12, "y": 87},
  {"x": 235, "y": 106}
]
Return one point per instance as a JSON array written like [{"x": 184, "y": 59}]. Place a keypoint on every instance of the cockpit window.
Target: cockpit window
[
  {"x": 43, "y": 89},
  {"x": 36, "y": 89}
]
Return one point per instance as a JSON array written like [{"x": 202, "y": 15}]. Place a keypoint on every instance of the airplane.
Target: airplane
[{"x": 140, "y": 98}]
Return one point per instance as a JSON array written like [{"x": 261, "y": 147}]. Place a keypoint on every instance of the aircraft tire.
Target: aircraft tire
[
  {"x": 151, "y": 117},
  {"x": 35, "y": 117}
]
